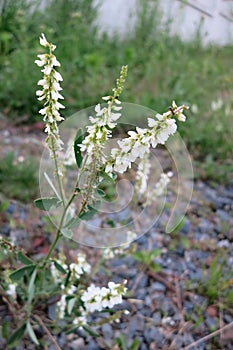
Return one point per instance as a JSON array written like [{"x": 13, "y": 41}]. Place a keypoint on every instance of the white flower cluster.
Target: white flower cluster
[
  {"x": 61, "y": 304},
  {"x": 110, "y": 253},
  {"x": 142, "y": 175},
  {"x": 97, "y": 299},
  {"x": 159, "y": 188},
  {"x": 50, "y": 93},
  {"x": 139, "y": 141},
  {"x": 55, "y": 273},
  {"x": 80, "y": 267},
  {"x": 81, "y": 320},
  {"x": 101, "y": 129}
]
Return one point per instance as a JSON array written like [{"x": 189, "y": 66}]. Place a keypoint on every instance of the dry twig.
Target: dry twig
[
  {"x": 209, "y": 336},
  {"x": 41, "y": 323}
]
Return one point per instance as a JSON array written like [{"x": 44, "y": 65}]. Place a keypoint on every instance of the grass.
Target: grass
[{"x": 161, "y": 68}]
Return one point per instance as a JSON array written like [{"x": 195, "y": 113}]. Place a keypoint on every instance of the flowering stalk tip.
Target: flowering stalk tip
[{"x": 50, "y": 93}]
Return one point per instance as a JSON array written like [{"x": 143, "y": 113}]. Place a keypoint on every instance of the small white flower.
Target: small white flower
[
  {"x": 194, "y": 109},
  {"x": 168, "y": 321},
  {"x": 11, "y": 290},
  {"x": 152, "y": 122},
  {"x": 81, "y": 266},
  {"x": 55, "y": 62},
  {"x": 47, "y": 70},
  {"x": 57, "y": 76},
  {"x": 159, "y": 189},
  {"x": 61, "y": 306},
  {"x": 216, "y": 105},
  {"x": 43, "y": 40},
  {"x": 81, "y": 320},
  {"x": 71, "y": 290}
]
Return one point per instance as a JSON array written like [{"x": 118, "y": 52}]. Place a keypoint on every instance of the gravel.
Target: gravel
[{"x": 168, "y": 308}]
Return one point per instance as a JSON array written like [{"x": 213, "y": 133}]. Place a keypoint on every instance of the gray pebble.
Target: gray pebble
[
  {"x": 157, "y": 318},
  {"x": 78, "y": 344},
  {"x": 157, "y": 286},
  {"x": 107, "y": 331}
]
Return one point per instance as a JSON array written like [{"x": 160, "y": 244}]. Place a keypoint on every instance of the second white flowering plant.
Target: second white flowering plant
[{"x": 29, "y": 287}]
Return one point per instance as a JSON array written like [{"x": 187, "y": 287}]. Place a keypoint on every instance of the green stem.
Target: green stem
[
  {"x": 59, "y": 234},
  {"x": 58, "y": 177}
]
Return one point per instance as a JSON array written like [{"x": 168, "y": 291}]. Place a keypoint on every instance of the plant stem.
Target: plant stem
[
  {"x": 41, "y": 323},
  {"x": 59, "y": 234},
  {"x": 58, "y": 177}
]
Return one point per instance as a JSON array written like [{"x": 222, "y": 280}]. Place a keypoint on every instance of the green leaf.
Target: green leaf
[
  {"x": 31, "y": 333},
  {"x": 67, "y": 232},
  {"x": 31, "y": 286},
  {"x": 230, "y": 297},
  {"x": 100, "y": 192},
  {"x": 155, "y": 266},
  {"x": 121, "y": 342},
  {"x": 71, "y": 304},
  {"x": 5, "y": 329},
  {"x": 185, "y": 241},
  {"x": 17, "y": 335},
  {"x": 77, "y": 151},
  {"x": 59, "y": 267},
  {"x": 90, "y": 331},
  {"x": 47, "y": 203},
  {"x": 72, "y": 330},
  {"x": 106, "y": 177},
  {"x": 90, "y": 212},
  {"x": 67, "y": 279},
  {"x": 18, "y": 274},
  {"x": 135, "y": 345},
  {"x": 177, "y": 226},
  {"x": 24, "y": 259},
  {"x": 72, "y": 223}
]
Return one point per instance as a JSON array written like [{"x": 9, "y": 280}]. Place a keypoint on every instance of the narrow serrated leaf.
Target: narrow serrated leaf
[
  {"x": 67, "y": 232},
  {"x": 90, "y": 331},
  {"x": 24, "y": 259},
  {"x": 31, "y": 333},
  {"x": 77, "y": 150},
  {"x": 17, "y": 335},
  {"x": 18, "y": 274},
  {"x": 71, "y": 304},
  {"x": 31, "y": 286},
  {"x": 47, "y": 203},
  {"x": 67, "y": 279},
  {"x": 59, "y": 267}
]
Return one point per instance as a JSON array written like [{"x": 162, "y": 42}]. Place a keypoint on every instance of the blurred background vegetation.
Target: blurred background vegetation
[{"x": 161, "y": 67}]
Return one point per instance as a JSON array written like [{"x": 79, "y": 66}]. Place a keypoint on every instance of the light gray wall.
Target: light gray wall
[{"x": 216, "y": 17}]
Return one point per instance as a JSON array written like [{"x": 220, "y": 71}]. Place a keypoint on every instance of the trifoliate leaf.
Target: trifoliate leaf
[{"x": 47, "y": 203}]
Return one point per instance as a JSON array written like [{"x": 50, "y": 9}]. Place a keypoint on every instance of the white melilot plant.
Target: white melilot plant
[{"x": 36, "y": 280}]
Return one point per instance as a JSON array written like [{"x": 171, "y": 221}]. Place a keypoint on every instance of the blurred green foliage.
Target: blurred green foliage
[
  {"x": 18, "y": 180},
  {"x": 161, "y": 67}
]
